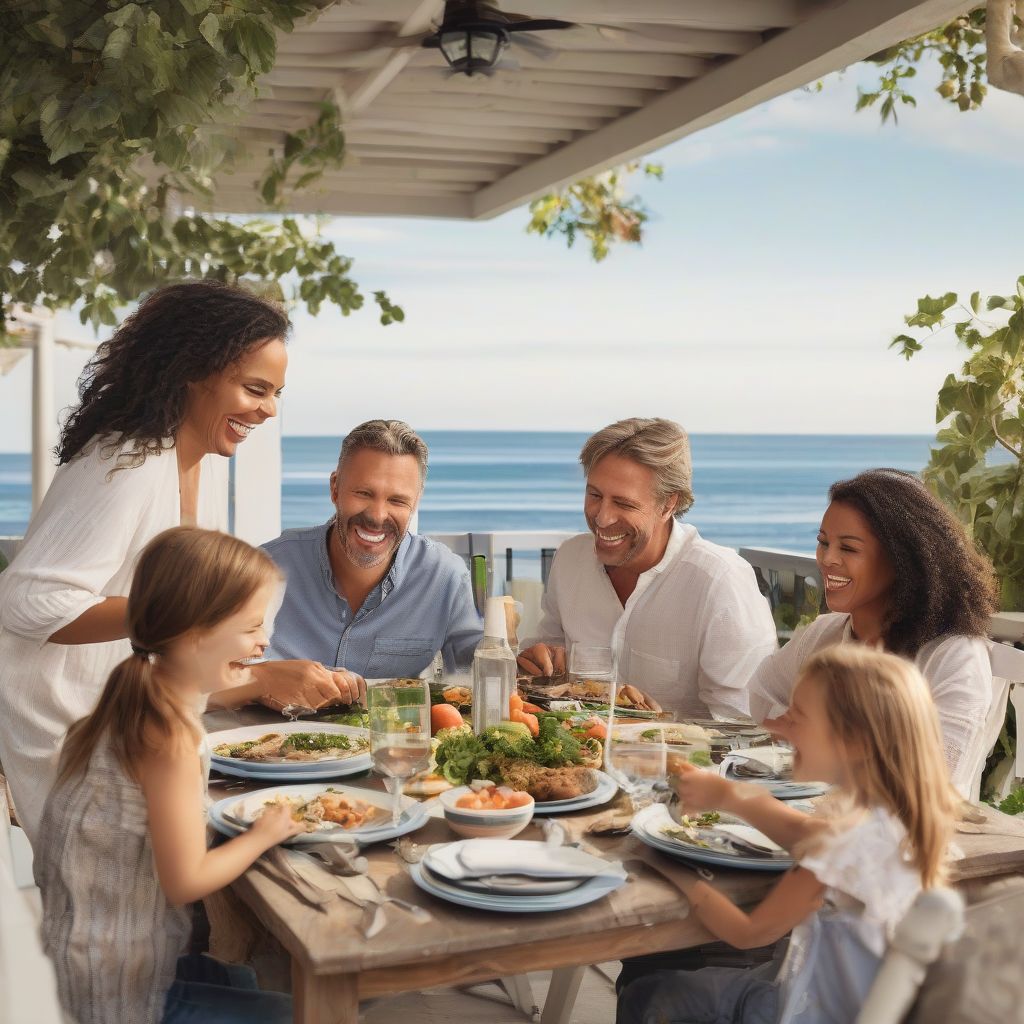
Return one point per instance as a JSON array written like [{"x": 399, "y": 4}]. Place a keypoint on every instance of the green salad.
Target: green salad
[{"x": 463, "y": 756}]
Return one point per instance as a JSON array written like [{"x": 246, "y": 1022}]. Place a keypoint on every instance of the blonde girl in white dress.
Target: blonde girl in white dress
[{"x": 865, "y": 722}]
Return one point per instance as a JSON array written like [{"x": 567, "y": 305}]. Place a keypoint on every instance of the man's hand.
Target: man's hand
[
  {"x": 307, "y": 683},
  {"x": 543, "y": 660}
]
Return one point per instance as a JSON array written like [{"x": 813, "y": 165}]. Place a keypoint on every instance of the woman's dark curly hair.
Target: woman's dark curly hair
[
  {"x": 135, "y": 389},
  {"x": 943, "y": 585}
]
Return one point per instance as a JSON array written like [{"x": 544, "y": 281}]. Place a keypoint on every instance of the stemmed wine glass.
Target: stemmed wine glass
[{"x": 399, "y": 712}]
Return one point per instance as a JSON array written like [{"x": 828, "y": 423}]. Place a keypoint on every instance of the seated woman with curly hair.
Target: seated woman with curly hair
[{"x": 900, "y": 573}]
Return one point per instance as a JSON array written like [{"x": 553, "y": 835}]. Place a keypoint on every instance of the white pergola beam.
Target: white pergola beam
[
  {"x": 835, "y": 37},
  {"x": 361, "y": 95},
  {"x": 246, "y": 200},
  {"x": 744, "y": 15},
  {"x": 513, "y": 87}
]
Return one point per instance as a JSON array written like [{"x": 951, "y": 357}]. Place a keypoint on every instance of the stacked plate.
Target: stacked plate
[
  {"x": 234, "y": 814},
  {"x": 515, "y": 876},
  {"x": 772, "y": 768},
  {"x": 729, "y": 844},
  {"x": 283, "y": 770}
]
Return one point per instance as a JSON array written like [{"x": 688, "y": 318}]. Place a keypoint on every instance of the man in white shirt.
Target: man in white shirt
[{"x": 684, "y": 617}]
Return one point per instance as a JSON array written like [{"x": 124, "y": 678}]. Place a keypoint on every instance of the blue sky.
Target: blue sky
[{"x": 786, "y": 245}]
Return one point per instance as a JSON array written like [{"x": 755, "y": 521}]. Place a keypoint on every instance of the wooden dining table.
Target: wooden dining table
[{"x": 333, "y": 967}]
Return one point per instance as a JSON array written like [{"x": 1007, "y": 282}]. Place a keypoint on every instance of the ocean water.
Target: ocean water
[{"x": 750, "y": 490}]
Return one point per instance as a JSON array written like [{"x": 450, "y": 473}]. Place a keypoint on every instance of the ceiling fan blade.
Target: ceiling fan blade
[
  {"x": 524, "y": 23},
  {"x": 531, "y": 44}
]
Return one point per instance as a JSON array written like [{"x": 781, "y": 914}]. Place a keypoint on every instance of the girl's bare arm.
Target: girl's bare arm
[
  {"x": 796, "y": 897},
  {"x": 171, "y": 781}
]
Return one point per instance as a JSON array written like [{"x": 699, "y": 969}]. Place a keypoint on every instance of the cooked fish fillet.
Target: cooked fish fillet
[{"x": 545, "y": 784}]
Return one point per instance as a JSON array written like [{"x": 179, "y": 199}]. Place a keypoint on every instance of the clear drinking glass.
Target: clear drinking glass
[
  {"x": 590, "y": 661},
  {"x": 638, "y": 768},
  {"x": 399, "y": 713}
]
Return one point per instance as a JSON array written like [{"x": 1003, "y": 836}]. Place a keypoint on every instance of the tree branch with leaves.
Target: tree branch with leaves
[{"x": 108, "y": 114}]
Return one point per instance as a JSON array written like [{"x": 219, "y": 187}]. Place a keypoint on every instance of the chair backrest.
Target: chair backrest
[
  {"x": 978, "y": 979},
  {"x": 28, "y": 986},
  {"x": 934, "y": 918},
  {"x": 1008, "y": 685}
]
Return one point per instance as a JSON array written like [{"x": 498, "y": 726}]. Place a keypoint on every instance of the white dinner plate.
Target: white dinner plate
[
  {"x": 647, "y": 826},
  {"x": 589, "y": 891},
  {"x": 781, "y": 790},
  {"x": 414, "y": 814},
  {"x": 605, "y": 790},
  {"x": 335, "y": 766}
]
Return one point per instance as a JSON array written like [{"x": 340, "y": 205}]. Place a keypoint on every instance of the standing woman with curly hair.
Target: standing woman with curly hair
[
  {"x": 901, "y": 573},
  {"x": 175, "y": 391}
]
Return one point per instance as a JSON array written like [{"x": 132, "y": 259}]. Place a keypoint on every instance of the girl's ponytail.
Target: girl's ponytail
[{"x": 186, "y": 580}]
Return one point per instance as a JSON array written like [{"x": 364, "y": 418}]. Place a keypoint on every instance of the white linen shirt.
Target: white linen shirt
[
  {"x": 690, "y": 634},
  {"x": 957, "y": 669},
  {"x": 80, "y": 548}
]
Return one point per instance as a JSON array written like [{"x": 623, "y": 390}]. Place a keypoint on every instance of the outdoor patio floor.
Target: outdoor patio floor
[{"x": 488, "y": 1003}]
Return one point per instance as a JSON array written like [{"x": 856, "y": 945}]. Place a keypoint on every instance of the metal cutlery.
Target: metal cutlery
[{"x": 274, "y": 863}]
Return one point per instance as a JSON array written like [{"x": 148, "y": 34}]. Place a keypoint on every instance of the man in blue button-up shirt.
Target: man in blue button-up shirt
[{"x": 364, "y": 597}]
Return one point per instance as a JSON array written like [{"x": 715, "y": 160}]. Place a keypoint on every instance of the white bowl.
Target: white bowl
[{"x": 482, "y": 824}]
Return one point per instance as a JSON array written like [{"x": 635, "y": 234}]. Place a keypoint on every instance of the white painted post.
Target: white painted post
[
  {"x": 257, "y": 484},
  {"x": 44, "y": 413}
]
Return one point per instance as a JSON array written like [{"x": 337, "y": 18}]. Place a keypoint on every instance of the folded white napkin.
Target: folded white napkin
[{"x": 478, "y": 858}]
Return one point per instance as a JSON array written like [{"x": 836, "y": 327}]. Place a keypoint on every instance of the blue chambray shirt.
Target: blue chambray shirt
[{"x": 423, "y": 605}]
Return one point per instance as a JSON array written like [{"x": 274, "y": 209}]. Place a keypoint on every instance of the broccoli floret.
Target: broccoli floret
[
  {"x": 555, "y": 746},
  {"x": 509, "y": 744}
]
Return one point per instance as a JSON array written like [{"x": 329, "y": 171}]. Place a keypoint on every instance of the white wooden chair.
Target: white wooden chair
[
  {"x": 1007, "y": 686},
  {"x": 28, "y": 987},
  {"x": 935, "y": 918}
]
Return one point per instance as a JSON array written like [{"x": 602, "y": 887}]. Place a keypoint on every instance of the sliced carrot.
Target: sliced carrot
[
  {"x": 532, "y": 708},
  {"x": 515, "y": 703},
  {"x": 530, "y": 721}
]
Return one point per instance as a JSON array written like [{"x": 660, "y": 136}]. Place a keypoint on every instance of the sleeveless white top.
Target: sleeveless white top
[{"x": 107, "y": 926}]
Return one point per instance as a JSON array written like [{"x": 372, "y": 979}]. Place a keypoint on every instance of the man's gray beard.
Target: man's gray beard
[{"x": 359, "y": 558}]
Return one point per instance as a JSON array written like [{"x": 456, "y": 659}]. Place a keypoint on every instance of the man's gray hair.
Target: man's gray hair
[
  {"x": 660, "y": 445},
  {"x": 392, "y": 437}
]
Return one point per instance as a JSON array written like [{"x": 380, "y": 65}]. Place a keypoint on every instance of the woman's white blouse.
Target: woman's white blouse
[
  {"x": 80, "y": 548},
  {"x": 956, "y": 668}
]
